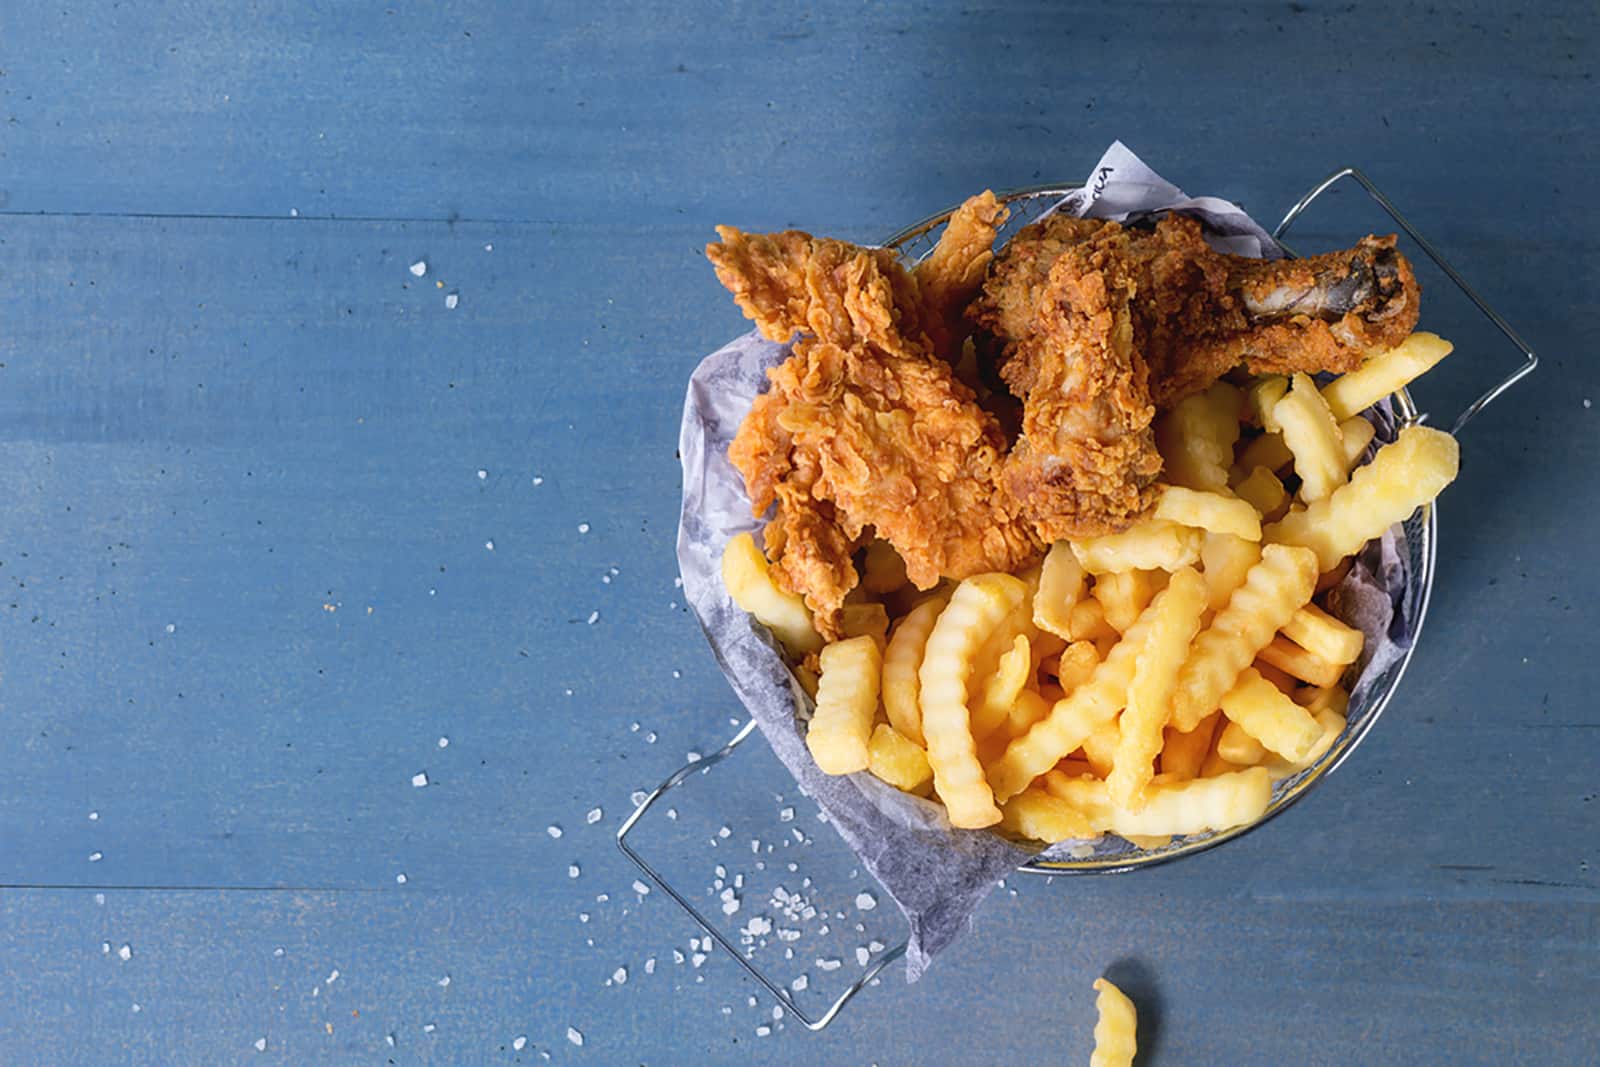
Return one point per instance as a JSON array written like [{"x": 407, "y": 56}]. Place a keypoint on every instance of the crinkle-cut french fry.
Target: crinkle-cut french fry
[
  {"x": 1100, "y": 748},
  {"x": 1356, "y": 433},
  {"x": 1270, "y": 717},
  {"x": 901, "y": 661},
  {"x": 1312, "y": 434},
  {"x": 1183, "y": 752},
  {"x": 1264, "y": 492},
  {"x": 1316, "y": 699},
  {"x": 1235, "y": 745},
  {"x": 1036, "y": 814},
  {"x": 1076, "y": 665},
  {"x": 1215, "y": 765},
  {"x": 1209, "y": 511},
  {"x": 1089, "y": 622},
  {"x": 748, "y": 576},
  {"x": 1267, "y": 450},
  {"x": 1324, "y": 636},
  {"x": 865, "y": 620},
  {"x": 1151, "y": 545},
  {"x": 978, "y": 605},
  {"x": 1332, "y": 724},
  {"x": 1226, "y": 561},
  {"x": 1298, "y": 663},
  {"x": 1172, "y": 806},
  {"x": 999, "y": 691},
  {"x": 1073, "y": 718},
  {"x": 1027, "y": 709},
  {"x": 1045, "y": 646},
  {"x": 1061, "y": 582},
  {"x": 1196, "y": 437},
  {"x": 1175, "y": 621},
  {"x": 1125, "y": 594},
  {"x": 1262, "y": 396},
  {"x": 897, "y": 760},
  {"x": 882, "y": 569},
  {"x": 1286, "y": 683},
  {"x": 1274, "y": 590},
  {"x": 1116, "y": 1029},
  {"x": 847, "y": 699},
  {"x": 1383, "y": 374},
  {"x": 1405, "y": 474}
]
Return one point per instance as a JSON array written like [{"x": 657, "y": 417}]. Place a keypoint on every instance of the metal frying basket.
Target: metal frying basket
[{"x": 1112, "y": 854}]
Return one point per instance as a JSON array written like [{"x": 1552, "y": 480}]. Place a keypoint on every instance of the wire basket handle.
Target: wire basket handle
[
  {"x": 676, "y": 779},
  {"x": 1529, "y": 360}
]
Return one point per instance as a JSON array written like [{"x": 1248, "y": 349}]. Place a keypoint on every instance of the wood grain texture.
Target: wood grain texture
[{"x": 228, "y": 433}]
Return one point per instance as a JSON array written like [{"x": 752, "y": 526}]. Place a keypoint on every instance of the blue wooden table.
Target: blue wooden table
[{"x": 342, "y": 349}]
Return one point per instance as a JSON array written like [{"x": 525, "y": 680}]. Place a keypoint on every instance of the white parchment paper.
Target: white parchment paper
[{"x": 936, "y": 874}]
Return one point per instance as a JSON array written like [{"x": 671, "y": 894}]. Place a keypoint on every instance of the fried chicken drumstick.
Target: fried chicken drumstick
[
  {"x": 1099, "y": 326},
  {"x": 866, "y": 430}
]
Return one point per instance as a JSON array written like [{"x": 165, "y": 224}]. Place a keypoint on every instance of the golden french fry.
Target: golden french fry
[
  {"x": 1383, "y": 374},
  {"x": 1183, "y": 752},
  {"x": 1270, "y": 717},
  {"x": 1196, "y": 437},
  {"x": 1236, "y": 746},
  {"x": 1036, "y": 814},
  {"x": 1262, "y": 396},
  {"x": 1076, "y": 664},
  {"x": 1175, "y": 621},
  {"x": 1267, "y": 450},
  {"x": 1209, "y": 511},
  {"x": 1312, "y": 434},
  {"x": 1324, "y": 636},
  {"x": 748, "y": 576},
  {"x": 897, "y": 760},
  {"x": 1215, "y": 765},
  {"x": 1115, "y": 1032},
  {"x": 1061, "y": 582},
  {"x": 847, "y": 699},
  {"x": 1274, "y": 590},
  {"x": 1404, "y": 475},
  {"x": 1027, "y": 709},
  {"x": 1148, "y": 842},
  {"x": 1356, "y": 433},
  {"x": 882, "y": 569},
  {"x": 1100, "y": 748},
  {"x": 1172, "y": 806},
  {"x": 1151, "y": 545},
  {"x": 1076, "y": 716},
  {"x": 865, "y": 620},
  {"x": 978, "y": 605},
  {"x": 1332, "y": 724},
  {"x": 1282, "y": 679},
  {"x": 807, "y": 679},
  {"x": 1000, "y": 689},
  {"x": 1125, "y": 594},
  {"x": 1226, "y": 561},
  {"x": 901, "y": 661},
  {"x": 1265, "y": 493},
  {"x": 1089, "y": 623},
  {"x": 1296, "y": 662},
  {"x": 1319, "y": 699}
]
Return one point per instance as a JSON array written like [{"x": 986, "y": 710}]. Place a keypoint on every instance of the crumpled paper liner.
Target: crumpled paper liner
[{"x": 935, "y": 873}]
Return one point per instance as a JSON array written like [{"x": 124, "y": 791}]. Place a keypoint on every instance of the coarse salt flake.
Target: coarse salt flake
[
  {"x": 575, "y": 1036},
  {"x": 419, "y": 268},
  {"x": 553, "y": 830},
  {"x": 594, "y": 816}
]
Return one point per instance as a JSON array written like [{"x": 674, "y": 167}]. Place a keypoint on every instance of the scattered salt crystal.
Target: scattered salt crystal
[
  {"x": 444, "y": 742},
  {"x": 99, "y": 898},
  {"x": 261, "y": 1044},
  {"x": 490, "y": 248},
  {"x": 637, "y": 797},
  {"x": 482, "y": 474},
  {"x": 750, "y": 1001},
  {"x": 777, "y": 1012},
  {"x": 763, "y": 1030},
  {"x": 105, "y": 948},
  {"x": 640, "y": 888},
  {"x": 333, "y": 976},
  {"x": 724, "y": 833},
  {"x": 620, "y": 975},
  {"x": 677, "y": 957},
  {"x": 866, "y": 902},
  {"x": 862, "y": 956},
  {"x": 575, "y": 1036},
  {"x": 721, "y": 871},
  {"x": 822, "y": 931},
  {"x": 727, "y": 1010},
  {"x": 1587, "y": 403},
  {"x": 602, "y": 898},
  {"x": 171, "y": 628},
  {"x": 96, "y": 857},
  {"x": 875, "y": 946},
  {"x": 572, "y": 870},
  {"x": 489, "y": 545},
  {"x": 428, "y": 1028},
  {"x": 672, "y": 813},
  {"x": 788, "y": 953},
  {"x": 419, "y": 780},
  {"x": 400, "y": 878},
  {"x": 788, "y": 935},
  {"x": 800, "y": 983},
  {"x": 277, "y": 952},
  {"x": 94, "y": 816},
  {"x": 650, "y": 737},
  {"x": 691, "y": 757},
  {"x": 594, "y": 617},
  {"x": 786, "y": 815},
  {"x": 519, "y": 1042},
  {"x": 633, "y": 727},
  {"x": 390, "y": 1039},
  {"x": 553, "y": 830},
  {"x": 419, "y": 268},
  {"x": 583, "y": 527},
  {"x": 537, "y": 480},
  {"x": 650, "y": 965},
  {"x": 451, "y": 300},
  {"x": 677, "y": 674},
  {"x": 444, "y": 983},
  {"x": 594, "y": 816},
  {"x": 730, "y": 906},
  {"x": 125, "y": 953},
  {"x": 137, "y": 1008}
]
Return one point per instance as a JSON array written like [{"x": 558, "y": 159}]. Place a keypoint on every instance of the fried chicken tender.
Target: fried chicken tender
[{"x": 864, "y": 429}]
